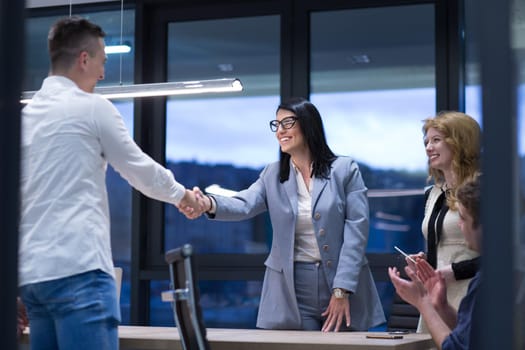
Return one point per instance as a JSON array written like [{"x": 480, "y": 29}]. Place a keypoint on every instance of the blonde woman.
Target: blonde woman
[{"x": 452, "y": 145}]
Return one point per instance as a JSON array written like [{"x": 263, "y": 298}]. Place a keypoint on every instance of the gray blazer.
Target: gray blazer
[{"x": 340, "y": 219}]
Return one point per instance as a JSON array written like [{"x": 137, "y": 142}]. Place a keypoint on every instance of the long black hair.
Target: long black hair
[{"x": 311, "y": 125}]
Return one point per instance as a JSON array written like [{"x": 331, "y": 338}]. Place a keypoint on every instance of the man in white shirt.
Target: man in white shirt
[{"x": 69, "y": 135}]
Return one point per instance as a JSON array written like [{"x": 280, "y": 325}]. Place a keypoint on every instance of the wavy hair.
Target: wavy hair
[
  {"x": 311, "y": 125},
  {"x": 462, "y": 134}
]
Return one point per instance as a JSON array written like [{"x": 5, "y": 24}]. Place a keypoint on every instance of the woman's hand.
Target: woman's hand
[
  {"x": 415, "y": 257},
  {"x": 337, "y": 311}
]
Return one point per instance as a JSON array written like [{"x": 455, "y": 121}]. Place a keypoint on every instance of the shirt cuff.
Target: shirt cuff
[
  {"x": 213, "y": 208},
  {"x": 178, "y": 192},
  {"x": 211, "y": 213}
]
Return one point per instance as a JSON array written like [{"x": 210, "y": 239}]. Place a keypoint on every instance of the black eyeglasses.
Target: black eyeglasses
[{"x": 286, "y": 123}]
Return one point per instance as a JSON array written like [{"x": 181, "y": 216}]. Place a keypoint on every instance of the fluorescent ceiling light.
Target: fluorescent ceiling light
[
  {"x": 161, "y": 89},
  {"x": 111, "y": 49}
]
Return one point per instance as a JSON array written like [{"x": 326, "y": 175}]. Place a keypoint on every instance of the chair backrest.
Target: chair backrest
[
  {"x": 184, "y": 298},
  {"x": 403, "y": 316}
]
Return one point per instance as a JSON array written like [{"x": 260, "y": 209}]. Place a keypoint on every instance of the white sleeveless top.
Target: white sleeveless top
[{"x": 451, "y": 248}]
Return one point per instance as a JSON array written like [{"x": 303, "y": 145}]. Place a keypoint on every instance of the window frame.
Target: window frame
[{"x": 152, "y": 19}]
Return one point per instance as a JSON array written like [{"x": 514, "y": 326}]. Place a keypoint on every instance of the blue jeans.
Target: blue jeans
[{"x": 79, "y": 312}]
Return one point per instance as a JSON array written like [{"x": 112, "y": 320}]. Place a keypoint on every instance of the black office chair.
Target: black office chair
[
  {"x": 184, "y": 298},
  {"x": 403, "y": 316}
]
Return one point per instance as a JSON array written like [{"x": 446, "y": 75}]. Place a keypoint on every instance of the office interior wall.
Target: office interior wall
[
  {"x": 12, "y": 42},
  {"x": 499, "y": 310}
]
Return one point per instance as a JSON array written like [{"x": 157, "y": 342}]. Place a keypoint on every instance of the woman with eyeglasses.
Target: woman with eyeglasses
[{"x": 317, "y": 275}]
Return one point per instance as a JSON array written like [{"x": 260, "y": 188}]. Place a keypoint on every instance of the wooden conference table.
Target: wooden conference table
[
  {"x": 163, "y": 338},
  {"x": 167, "y": 338}
]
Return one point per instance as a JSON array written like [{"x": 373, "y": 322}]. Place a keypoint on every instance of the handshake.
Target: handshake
[{"x": 195, "y": 203}]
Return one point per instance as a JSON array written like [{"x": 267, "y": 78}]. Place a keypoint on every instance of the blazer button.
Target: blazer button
[
  {"x": 321, "y": 232},
  {"x": 329, "y": 263},
  {"x": 317, "y": 216},
  {"x": 325, "y": 247}
]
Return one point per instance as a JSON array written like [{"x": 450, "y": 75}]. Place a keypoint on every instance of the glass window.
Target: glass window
[
  {"x": 222, "y": 139},
  {"x": 119, "y": 196},
  {"x": 371, "y": 89},
  {"x": 224, "y": 304},
  {"x": 36, "y": 54},
  {"x": 37, "y": 59},
  {"x": 375, "y": 83},
  {"x": 225, "y": 140},
  {"x": 119, "y": 68},
  {"x": 373, "y": 80},
  {"x": 472, "y": 66}
]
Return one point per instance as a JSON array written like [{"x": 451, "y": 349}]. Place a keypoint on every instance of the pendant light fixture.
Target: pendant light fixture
[
  {"x": 161, "y": 89},
  {"x": 155, "y": 89}
]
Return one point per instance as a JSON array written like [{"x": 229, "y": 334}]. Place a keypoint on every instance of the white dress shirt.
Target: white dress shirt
[{"x": 68, "y": 137}]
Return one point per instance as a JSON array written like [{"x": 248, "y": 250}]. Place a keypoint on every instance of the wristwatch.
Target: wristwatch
[{"x": 340, "y": 293}]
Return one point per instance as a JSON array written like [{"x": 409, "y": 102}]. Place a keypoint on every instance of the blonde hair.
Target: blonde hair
[{"x": 462, "y": 134}]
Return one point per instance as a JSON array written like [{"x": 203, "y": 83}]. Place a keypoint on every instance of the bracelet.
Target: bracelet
[{"x": 211, "y": 204}]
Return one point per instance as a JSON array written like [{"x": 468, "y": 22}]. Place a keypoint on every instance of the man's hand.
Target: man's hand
[
  {"x": 23, "y": 321},
  {"x": 434, "y": 283},
  {"x": 447, "y": 273},
  {"x": 412, "y": 291},
  {"x": 191, "y": 205},
  {"x": 204, "y": 200}
]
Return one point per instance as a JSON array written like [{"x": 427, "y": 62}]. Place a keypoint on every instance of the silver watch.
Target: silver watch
[{"x": 340, "y": 293}]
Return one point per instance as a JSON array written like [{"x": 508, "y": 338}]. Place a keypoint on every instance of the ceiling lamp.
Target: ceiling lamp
[
  {"x": 161, "y": 89},
  {"x": 121, "y": 91},
  {"x": 113, "y": 49}
]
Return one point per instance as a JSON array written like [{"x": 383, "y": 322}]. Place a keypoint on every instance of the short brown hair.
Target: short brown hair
[
  {"x": 70, "y": 36},
  {"x": 469, "y": 195}
]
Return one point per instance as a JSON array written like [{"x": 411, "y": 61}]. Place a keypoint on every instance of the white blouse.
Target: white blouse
[
  {"x": 306, "y": 248},
  {"x": 452, "y": 246}
]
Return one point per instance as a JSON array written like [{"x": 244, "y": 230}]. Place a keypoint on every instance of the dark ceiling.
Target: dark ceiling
[{"x": 396, "y": 43}]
